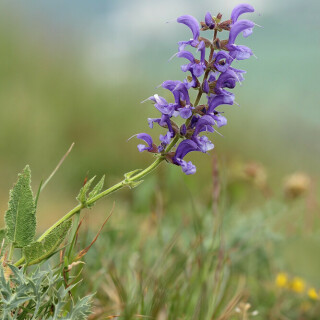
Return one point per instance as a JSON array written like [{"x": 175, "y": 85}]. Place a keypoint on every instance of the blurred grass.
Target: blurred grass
[{"x": 177, "y": 259}]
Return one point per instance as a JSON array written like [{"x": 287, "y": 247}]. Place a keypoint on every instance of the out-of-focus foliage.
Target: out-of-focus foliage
[
  {"x": 38, "y": 295},
  {"x": 196, "y": 259}
]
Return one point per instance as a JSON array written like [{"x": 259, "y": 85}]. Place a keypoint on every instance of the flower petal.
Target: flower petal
[
  {"x": 209, "y": 21},
  {"x": 227, "y": 79},
  {"x": 188, "y": 167},
  {"x": 192, "y": 23},
  {"x": 203, "y": 124},
  {"x": 239, "y": 10},
  {"x": 146, "y": 137},
  {"x": 205, "y": 144},
  {"x": 186, "y": 54},
  {"x": 184, "y": 148},
  {"x": 185, "y": 112},
  {"x": 238, "y": 27},
  {"x": 240, "y": 52},
  {"x": 217, "y": 100},
  {"x": 166, "y": 138},
  {"x": 221, "y": 55}
]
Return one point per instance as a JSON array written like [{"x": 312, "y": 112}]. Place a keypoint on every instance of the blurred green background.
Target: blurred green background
[{"x": 77, "y": 71}]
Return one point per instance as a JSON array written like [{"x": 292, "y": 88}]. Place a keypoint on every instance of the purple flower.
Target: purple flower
[
  {"x": 196, "y": 68},
  {"x": 205, "y": 123},
  {"x": 150, "y": 145},
  {"x": 213, "y": 76},
  {"x": 193, "y": 24},
  {"x": 164, "y": 121},
  {"x": 240, "y": 52},
  {"x": 205, "y": 86},
  {"x": 151, "y": 121},
  {"x": 227, "y": 79},
  {"x": 222, "y": 61},
  {"x": 238, "y": 27},
  {"x": 239, "y": 10},
  {"x": 239, "y": 73},
  {"x": 204, "y": 143},
  {"x": 219, "y": 76},
  {"x": 183, "y": 149},
  {"x": 185, "y": 112},
  {"x": 209, "y": 21},
  {"x": 178, "y": 89},
  {"x": 183, "y": 129},
  {"x": 183, "y": 92},
  {"x": 166, "y": 138},
  {"x": 162, "y": 105},
  {"x": 217, "y": 100},
  {"x": 220, "y": 120}
]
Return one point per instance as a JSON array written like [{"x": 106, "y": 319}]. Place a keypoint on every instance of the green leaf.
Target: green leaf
[
  {"x": 82, "y": 196},
  {"x": 98, "y": 187},
  {"x": 39, "y": 251},
  {"x": 3, "y": 241},
  {"x": 20, "y": 217},
  {"x": 96, "y": 190}
]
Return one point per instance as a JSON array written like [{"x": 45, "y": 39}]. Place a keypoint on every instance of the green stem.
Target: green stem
[
  {"x": 123, "y": 183},
  {"x": 120, "y": 185}
]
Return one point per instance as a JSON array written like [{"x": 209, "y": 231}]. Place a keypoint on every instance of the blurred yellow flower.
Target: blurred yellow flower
[
  {"x": 298, "y": 285},
  {"x": 297, "y": 184},
  {"x": 312, "y": 293},
  {"x": 281, "y": 280}
]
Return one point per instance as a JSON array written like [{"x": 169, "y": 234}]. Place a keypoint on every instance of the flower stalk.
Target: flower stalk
[{"x": 217, "y": 76}]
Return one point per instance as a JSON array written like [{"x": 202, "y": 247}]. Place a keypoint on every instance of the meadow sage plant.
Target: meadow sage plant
[
  {"x": 213, "y": 64},
  {"x": 210, "y": 72}
]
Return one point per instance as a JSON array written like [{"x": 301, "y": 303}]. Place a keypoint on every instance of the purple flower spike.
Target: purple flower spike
[
  {"x": 237, "y": 28},
  {"x": 215, "y": 101},
  {"x": 194, "y": 122},
  {"x": 192, "y": 23},
  {"x": 147, "y": 138},
  {"x": 209, "y": 21},
  {"x": 239, "y": 10}
]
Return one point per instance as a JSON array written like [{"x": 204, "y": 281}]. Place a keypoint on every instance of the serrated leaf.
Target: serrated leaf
[
  {"x": 98, "y": 187},
  {"x": 39, "y": 251},
  {"x": 20, "y": 217},
  {"x": 82, "y": 196}
]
